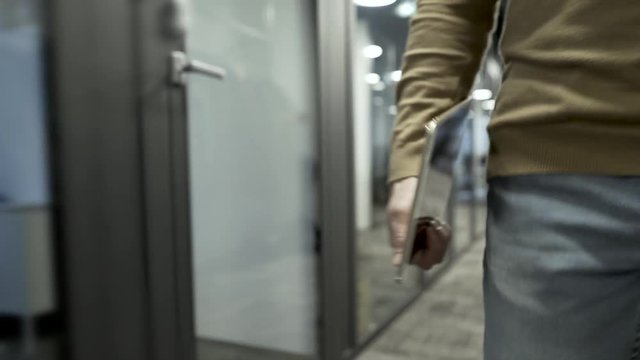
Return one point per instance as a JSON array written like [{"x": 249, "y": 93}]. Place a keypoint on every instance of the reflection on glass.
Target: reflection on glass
[
  {"x": 28, "y": 308},
  {"x": 379, "y": 299},
  {"x": 252, "y": 156},
  {"x": 380, "y": 32}
]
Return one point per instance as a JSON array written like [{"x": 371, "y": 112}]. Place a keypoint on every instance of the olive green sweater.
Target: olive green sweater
[{"x": 570, "y": 98}]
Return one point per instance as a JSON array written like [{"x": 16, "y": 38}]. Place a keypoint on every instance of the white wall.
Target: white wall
[
  {"x": 362, "y": 130},
  {"x": 23, "y": 164}
]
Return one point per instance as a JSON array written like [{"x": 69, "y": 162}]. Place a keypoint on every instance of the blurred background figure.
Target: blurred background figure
[{"x": 29, "y": 307}]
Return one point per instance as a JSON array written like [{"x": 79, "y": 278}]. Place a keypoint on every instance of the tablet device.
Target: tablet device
[{"x": 428, "y": 231}]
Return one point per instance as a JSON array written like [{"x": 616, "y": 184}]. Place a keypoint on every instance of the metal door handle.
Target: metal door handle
[{"x": 181, "y": 65}]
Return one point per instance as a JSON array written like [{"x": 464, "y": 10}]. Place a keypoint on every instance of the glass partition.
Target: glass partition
[{"x": 379, "y": 39}]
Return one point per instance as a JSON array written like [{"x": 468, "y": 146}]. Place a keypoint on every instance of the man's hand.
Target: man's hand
[{"x": 399, "y": 213}]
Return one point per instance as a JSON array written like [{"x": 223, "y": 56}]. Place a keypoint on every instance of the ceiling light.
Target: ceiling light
[
  {"x": 396, "y": 75},
  {"x": 372, "y": 78},
  {"x": 373, "y": 3},
  {"x": 488, "y": 105},
  {"x": 482, "y": 94},
  {"x": 406, "y": 9},
  {"x": 372, "y": 51},
  {"x": 379, "y": 86}
]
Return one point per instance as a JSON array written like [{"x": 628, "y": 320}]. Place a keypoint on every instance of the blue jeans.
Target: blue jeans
[{"x": 562, "y": 268}]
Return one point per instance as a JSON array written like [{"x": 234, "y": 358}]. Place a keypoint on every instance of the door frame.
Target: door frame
[
  {"x": 97, "y": 178},
  {"x": 335, "y": 131},
  {"x": 119, "y": 213},
  {"x": 121, "y": 179}
]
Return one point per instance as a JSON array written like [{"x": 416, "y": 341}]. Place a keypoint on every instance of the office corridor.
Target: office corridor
[{"x": 445, "y": 323}]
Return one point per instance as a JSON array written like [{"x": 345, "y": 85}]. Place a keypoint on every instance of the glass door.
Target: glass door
[{"x": 252, "y": 153}]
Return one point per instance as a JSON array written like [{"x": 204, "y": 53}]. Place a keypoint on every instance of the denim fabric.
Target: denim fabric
[{"x": 562, "y": 268}]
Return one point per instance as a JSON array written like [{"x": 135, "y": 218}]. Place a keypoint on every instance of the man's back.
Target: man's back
[{"x": 569, "y": 100}]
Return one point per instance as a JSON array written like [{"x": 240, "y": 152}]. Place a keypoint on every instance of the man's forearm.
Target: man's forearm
[{"x": 447, "y": 40}]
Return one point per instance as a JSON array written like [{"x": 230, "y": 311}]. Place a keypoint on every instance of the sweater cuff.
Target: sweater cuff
[{"x": 405, "y": 160}]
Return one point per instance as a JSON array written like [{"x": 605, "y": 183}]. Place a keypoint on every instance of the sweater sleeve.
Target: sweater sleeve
[{"x": 447, "y": 40}]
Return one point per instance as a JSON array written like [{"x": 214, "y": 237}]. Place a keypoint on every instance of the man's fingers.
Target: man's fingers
[
  {"x": 398, "y": 213},
  {"x": 422, "y": 260},
  {"x": 436, "y": 248},
  {"x": 398, "y": 227},
  {"x": 397, "y": 259},
  {"x": 398, "y": 238}
]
